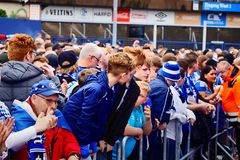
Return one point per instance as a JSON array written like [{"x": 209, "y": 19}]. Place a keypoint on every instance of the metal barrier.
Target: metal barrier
[
  {"x": 205, "y": 154},
  {"x": 124, "y": 141}
]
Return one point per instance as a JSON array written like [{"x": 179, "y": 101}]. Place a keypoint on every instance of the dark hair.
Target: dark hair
[
  {"x": 183, "y": 64},
  {"x": 182, "y": 73},
  {"x": 212, "y": 63},
  {"x": 204, "y": 71}
]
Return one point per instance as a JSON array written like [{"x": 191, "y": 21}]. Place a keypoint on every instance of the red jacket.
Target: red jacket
[{"x": 59, "y": 143}]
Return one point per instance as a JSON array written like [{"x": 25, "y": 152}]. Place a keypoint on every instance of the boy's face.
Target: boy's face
[
  {"x": 142, "y": 98},
  {"x": 142, "y": 72}
]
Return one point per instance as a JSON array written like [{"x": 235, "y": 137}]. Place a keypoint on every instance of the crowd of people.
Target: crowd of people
[{"x": 69, "y": 101}]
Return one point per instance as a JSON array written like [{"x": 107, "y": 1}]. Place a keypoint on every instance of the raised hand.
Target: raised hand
[{"x": 5, "y": 129}]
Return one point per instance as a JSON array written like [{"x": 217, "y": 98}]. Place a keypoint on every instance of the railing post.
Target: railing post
[
  {"x": 124, "y": 146},
  {"x": 189, "y": 139},
  {"x": 177, "y": 140},
  {"x": 164, "y": 144},
  {"x": 141, "y": 149},
  {"x": 118, "y": 150}
]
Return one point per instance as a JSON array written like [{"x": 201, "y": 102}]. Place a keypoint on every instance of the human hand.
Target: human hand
[
  {"x": 140, "y": 133},
  {"x": 102, "y": 145},
  {"x": 147, "y": 113},
  {"x": 160, "y": 126},
  {"x": 45, "y": 122},
  {"x": 64, "y": 87},
  {"x": 5, "y": 130},
  {"x": 191, "y": 121},
  {"x": 48, "y": 70}
]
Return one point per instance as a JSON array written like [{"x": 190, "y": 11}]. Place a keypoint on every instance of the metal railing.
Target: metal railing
[{"x": 205, "y": 154}]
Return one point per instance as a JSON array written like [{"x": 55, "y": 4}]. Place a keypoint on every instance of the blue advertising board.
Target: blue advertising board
[
  {"x": 213, "y": 19},
  {"x": 11, "y": 26},
  {"x": 220, "y": 7}
]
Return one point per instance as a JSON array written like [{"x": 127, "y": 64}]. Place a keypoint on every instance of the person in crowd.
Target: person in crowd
[
  {"x": 162, "y": 105},
  {"x": 82, "y": 78},
  {"x": 125, "y": 98},
  {"x": 89, "y": 57},
  {"x": 68, "y": 68},
  {"x": 180, "y": 116},
  {"x": 39, "y": 61},
  {"x": 49, "y": 49},
  {"x": 136, "y": 44},
  {"x": 47, "y": 39},
  {"x": 205, "y": 85},
  {"x": 56, "y": 143},
  {"x": 91, "y": 105},
  {"x": 142, "y": 72},
  {"x": 57, "y": 48},
  {"x": 53, "y": 61},
  {"x": 229, "y": 57},
  {"x": 168, "y": 57},
  {"x": 236, "y": 62},
  {"x": 155, "y": 66},
  {"x": 230, "y": 96},
  {"x": 103, "y": 62},
  {"x": 19, "y": 74},
  {"x": 139, "y": 123},
  {"x": 201, "y": 63}
]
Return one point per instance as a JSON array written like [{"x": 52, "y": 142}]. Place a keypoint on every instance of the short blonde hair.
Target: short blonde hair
[
  {"x": 120, "y": 63},
  {"x": 137, "y": 54},
  {"x": 144, "y": 86}
]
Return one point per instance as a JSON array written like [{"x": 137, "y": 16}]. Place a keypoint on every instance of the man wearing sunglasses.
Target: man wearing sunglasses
[{"x": 55, "y": 143}]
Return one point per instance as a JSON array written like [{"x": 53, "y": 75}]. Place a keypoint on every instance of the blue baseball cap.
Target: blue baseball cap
[{"x": 45, "y": 88}]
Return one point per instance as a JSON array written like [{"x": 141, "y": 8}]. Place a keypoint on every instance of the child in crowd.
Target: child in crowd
[{"x": 139, "y": 122}]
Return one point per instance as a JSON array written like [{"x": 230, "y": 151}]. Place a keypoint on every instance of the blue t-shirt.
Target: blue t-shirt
[
  {"x": 202, "y": 86},
  {"x": 138, "y": 120}
]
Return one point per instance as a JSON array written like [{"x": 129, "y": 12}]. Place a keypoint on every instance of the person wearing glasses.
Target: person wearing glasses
[
  {"x": 19, "y": 74},
  {"x": 89, "y": 57},
  {"x": 56, "y": 143}
]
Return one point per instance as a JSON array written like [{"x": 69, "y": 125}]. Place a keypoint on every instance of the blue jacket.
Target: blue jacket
[
  {"x": 88, "y": 109},
  {"x": 162, "y": 99}
]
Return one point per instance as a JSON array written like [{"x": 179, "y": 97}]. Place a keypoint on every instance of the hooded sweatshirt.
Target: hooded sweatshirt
[{"x": 17, "y": 79}]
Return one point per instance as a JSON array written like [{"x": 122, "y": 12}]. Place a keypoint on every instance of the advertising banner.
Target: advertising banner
[
  {"x": 59, "y": 14},
  {"x": 221, "y": 7},
  {"x": 160, "y": 17},
  {"x": 123, "y": 15},
  {"x": 83, "y": 14},
  {"x": 186, "y": 18},
  {"x": 214, "y": 19},
  {"x": 138, "y": 16},
  {"x": 102, "y": 15}
]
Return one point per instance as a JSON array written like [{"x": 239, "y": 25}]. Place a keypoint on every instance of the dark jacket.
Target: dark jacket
[
  {"x": 162, "y": 100},
  {"x": 121, "y": 113},
  {"x": 17, "y": 79},
  {"x": 88, "y": 109}
]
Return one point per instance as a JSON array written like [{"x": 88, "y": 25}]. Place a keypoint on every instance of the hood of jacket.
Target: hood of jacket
[{"x": 15, "y": 71}]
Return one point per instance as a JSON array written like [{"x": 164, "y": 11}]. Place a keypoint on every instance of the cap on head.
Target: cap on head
[
  {"x": 45, "y": 88},
  {"x": 170, "y": 70},
  {"x": 67, "y": 59}
]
